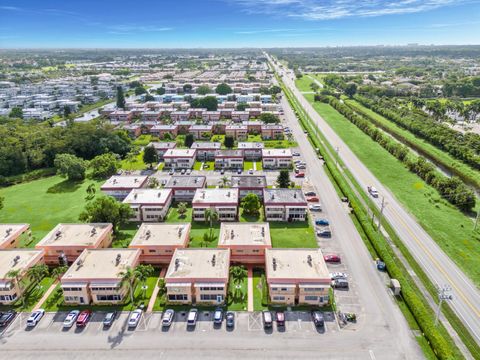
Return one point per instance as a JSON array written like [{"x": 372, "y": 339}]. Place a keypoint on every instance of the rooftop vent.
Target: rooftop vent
[
  {"x": 93, "y": 231},
  {"x": 214, "y": 259},
  {"x": 177, "y": 264},
  {"x": 309, "y": 260},
  {"x": 117, "y": 259},
  {"x": 135, "y": 195},
  {"x": 9, "y": 231},
  {"x": 16, "y": 260},
  {"x": 159, "y": 194},
  {"x": 180, "y": 230},
  {"x": 148, "y": 233},
  {"x": 274, "y": 264},
  {"x": 232, "y": 234},
  {"x": 175, "y": 182},
  {"x": 135, "y": 180},
  {"x": 79, "y": 262},
  {"x": 58, "y": 234},
  {"x": 263, "y": 231},
  {"x": 295, "y": 195}
]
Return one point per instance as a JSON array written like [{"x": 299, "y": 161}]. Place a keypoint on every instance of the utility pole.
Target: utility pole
[
  {"x": 443, "y": 294},
  {"x": 381, "y": 213}
]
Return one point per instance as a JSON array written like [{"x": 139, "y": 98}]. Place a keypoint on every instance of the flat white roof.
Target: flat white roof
[
  {"x": 9, "y": 232},
  {"x": 251, "y": 145},
  {"x": 301, "y": 264},
  {"x": 17, "y": 259},
  {"x": 76, "y": 234},
  {"x": 199, "y": 263},
  {"x": 215, "y": 196},
  {"x": 276, "y": 153},
  {"x": 244, "y": 234},
  {"x": 148, "y": 196},
  {"x": 100, "y": 264},
  {"x": 125, "y": 181},
  {"x": 161, "y": 235},
  {"x": 180, "y": 153}
]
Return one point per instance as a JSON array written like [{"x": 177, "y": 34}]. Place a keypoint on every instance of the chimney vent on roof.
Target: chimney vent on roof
[
  {"x": 148, "y": 233},
  {"x": 274, "y": 264},
  {"x": 309, "y": 260},
  {"x": 58, "y": 234},
  {"x": 214, "y": 259},
  {"x": 9, "y": 230},
  {"x": 93, "y": 231},
  {"x": 16, "y": 260}
]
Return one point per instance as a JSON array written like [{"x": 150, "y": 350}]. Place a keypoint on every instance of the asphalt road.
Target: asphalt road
[
  {"x": 437, "y": 265},
  {"x": 383, "y": 321}
]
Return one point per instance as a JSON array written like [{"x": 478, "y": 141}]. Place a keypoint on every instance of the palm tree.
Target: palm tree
[
  {"x": 143, "y": 273},
  {"x": 59, "y": 271},
  {"x": 91, "y": 192},
  {"x": 208, "y": 238},
  {"x": 224, "y": 181},
  {"x": 17, "y": 276},
  {"x": 128, "y": 277},
  {"x": 238, "y": 275},
  {"x": 37, "y": 272},
  {"x": 211, "y": 215},
  {"x": 182, "y": 209}
]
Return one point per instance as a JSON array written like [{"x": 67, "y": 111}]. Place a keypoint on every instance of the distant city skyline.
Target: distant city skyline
[{"x": 236, "y": 23}]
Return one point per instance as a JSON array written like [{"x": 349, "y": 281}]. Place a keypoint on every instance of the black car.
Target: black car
[
  {"x": 230, "y": 319},
  {"x": 7, "y": 317},
  {"x": 317, "y": 318},
  {"x": 109, "y": 318},
  {"x": 218, "y": 316}
]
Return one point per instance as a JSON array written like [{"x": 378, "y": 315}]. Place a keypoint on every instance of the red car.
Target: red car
[
  {"x": 313, "y": 199},
  {"x": 83, "y": 318},
  {"x": 332, "y": 258},
  {"x": 300, "y": 175}
]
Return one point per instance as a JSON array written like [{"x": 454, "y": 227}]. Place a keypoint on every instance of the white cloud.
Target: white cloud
[
  {"x": 123, "y": 29},
  {"x": 336, "y": 9}
]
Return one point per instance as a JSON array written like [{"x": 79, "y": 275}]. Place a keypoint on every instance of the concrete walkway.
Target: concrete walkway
[
  {"x": 151, "y": 303},
  {"x": 46, "y": 295},
  {"x": 250, "y": 288}
]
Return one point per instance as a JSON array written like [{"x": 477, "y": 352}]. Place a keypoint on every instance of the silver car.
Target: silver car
[
  {"x": 167, "y": 318},
  {"x": 35, "y": 317},
  {"x": 71, "y": 318}
]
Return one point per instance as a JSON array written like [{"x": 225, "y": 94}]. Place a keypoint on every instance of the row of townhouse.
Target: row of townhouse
[{"x": 294, "y": 276}]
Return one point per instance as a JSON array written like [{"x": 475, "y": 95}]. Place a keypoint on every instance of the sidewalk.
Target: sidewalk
[
  {"x": 45, "y": 296},
  {"x": 250, "y": 288},
  {"x": 151, "y": 303}
]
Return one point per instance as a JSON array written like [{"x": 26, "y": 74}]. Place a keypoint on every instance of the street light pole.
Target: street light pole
[
  {"x": 443, "y": 294},
  {"x": 381, "y": 213}
]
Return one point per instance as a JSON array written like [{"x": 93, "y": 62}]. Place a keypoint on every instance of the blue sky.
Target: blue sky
[{"x": 236, "y": 23}]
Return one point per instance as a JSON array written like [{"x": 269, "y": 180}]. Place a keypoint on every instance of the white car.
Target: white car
[
  {"x": 134, "y": 318},
  {"x": 338, "y": 275},
  {"x": 35, "y": 317},
  {"x": 315, "y": 207},
  {"x": 250, "y": 171},
  {"x": 71, "y": 318},
  {"x": 167, "y": 318}
]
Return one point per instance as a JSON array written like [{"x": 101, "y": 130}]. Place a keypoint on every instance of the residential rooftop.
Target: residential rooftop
[
  {"x": 249, "y": 181},
  {"x": 199, "y": 263},
  {"x": 276, "y": 153},
  {"x": 125, "y": 182},
  {"x": 163, "y": 145},
  {"x": 206, "y": 145},
  {"x": 180, "y": 153},
  {"x": 291, "y": 196},
  {"x": 250, "y": 145},
  {"x": 102, "y": 264},
  {"x": 215, "y": 196},
  {"x": 17, "y": 259},
  {"x": 148, "y": 196},
  {"x": 301, "y": 264},
  {"x": 186, "y": 181},
  {"x": 244, "y": 234},
  {"x": 9, "y": 232},
  {"x": 76, "y": 234},
  {"x": 161, "y": 235},
  {"x": 229, "y": 153}
]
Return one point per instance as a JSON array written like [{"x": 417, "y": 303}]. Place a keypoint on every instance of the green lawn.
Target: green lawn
[
  {"x": 303, "y": 84},
  {"x": 209, "y": 165},
  {"x": 257, "y": 289},
  {"x": 44, "y": 203},
  {"x": 292, "y": 235},
  {"x": 55, "y": 301},
  {"x": 136, "y": 164},
  {"x": 33, "y": 294},
  {"x": 247, "y": 165},
  {"x": 250, "y": 218},
  {"x": 239, "y": 300},
  {"x": 279, "y": 144},
  {"x": 144, "y": 140},
  {"x": 259, "y": 165},
  {"x": 450, "y": 228}
]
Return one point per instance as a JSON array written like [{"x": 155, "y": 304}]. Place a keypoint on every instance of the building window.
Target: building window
[
  {"x": 311, "y": 298},
  {"x": 210, "y": 297},
  {"x": 278, "y": 298},
  {"x": 109, "y": 297},
  {"x": 177, "y": 297}
]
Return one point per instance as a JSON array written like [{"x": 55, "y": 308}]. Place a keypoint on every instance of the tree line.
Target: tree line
[
  {"x": 451, "y": 189},
  {"x": 28, "y": 146},
  {"x": 465, "y": 147}
]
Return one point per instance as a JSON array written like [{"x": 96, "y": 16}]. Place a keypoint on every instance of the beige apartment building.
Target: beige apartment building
[
  {"x": 149, "y": 204},
  {"x": 247, "y": 241},
  {"x": 158, "y": 242},
  {"x": 284, "y": 205},
  {"x": 95, "y": 277},
  {"x": 198, "y": 276},
  {"x": 223, "y": 201},
  {"x": 120, "y": 186},
  {"x": 12, "y": 234},
  {"x": 15, "y": 259},
  {"x": 67, "y": 241},
  {"x": 297, "y": 276}
]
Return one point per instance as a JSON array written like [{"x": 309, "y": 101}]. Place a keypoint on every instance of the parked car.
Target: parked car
[
  {"x": 295, "y": 154},
  {"x": 381, "y": 265},
  {"x": 109, "y": 318},
  {"x": 310, "y": 193},
  {"x": 318, "y": 319},
  {"x": 192, "y": 317},
  {"x": 313, "y": 199},
  {"x": 230, "y": 319},
  {"x": 134, "y": 318},
  {"x": 35, "y": 317},
  {"x": 183, "y": 171},
  {"x": 189, "y": 171},
  {"x": 71, "y": 318},
  {"x": 7, "y": 317},
  {"x": 297, "y": 161},
  {"x": 167, "y": 318},
  {"x": 301, "y": 166},
  {"x": 218, "y": 316},
  {"x": 239, "y": 171},
  {"x": 332, "y": 258},
  {"x": 250, "y": 171},
  {"x": 280, "y": 318},
  {"x": 324, "y": 233},
  {"x": 267, "y": 319},
  {"x": 315, "y": 207},
  {"x": 322, "y": 222},
  {"x": 340, "y": 284},
  {"x": 300, "y": 174},
  {"x": 222, "y": 171},
  {"x": 171, "y": 172},
  {"x": 83, "y": 318},
  {"x": 338, "y": 275}
]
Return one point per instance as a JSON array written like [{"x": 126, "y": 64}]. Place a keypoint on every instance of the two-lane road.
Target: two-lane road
[{"x": 438, "y": 266}]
